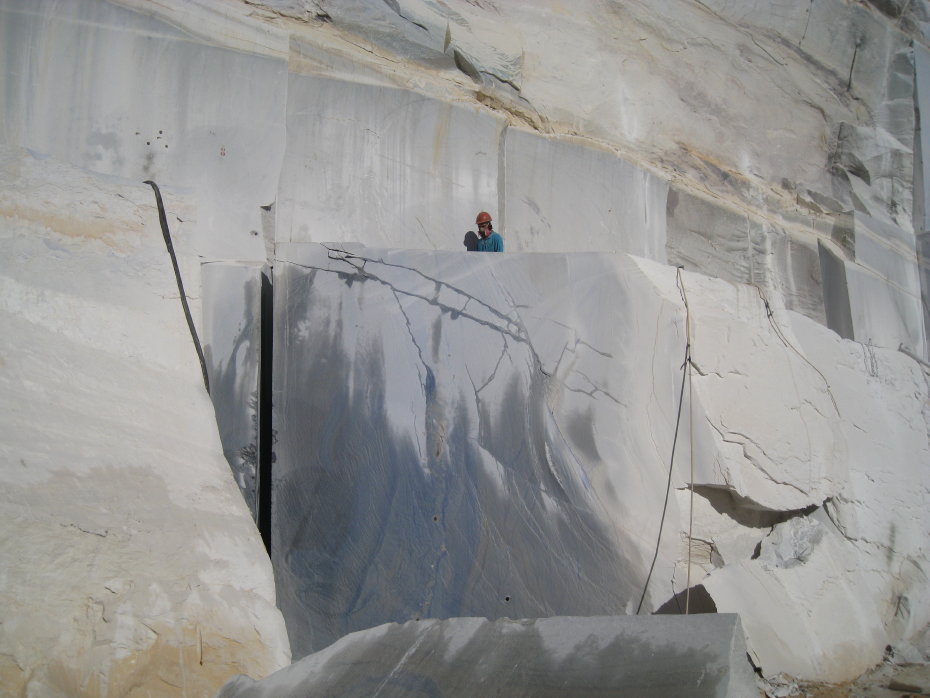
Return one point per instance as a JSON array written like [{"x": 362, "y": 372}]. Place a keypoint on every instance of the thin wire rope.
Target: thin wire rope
[
  {"x": 778, "y": 332},
  {"x": 684, "y": 297},
  {"x": 781, "y": 335},
  {"x": 671, "y": 463}
]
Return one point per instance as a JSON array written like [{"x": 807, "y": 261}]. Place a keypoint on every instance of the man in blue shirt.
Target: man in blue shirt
[{"x": 488, "y": 240}]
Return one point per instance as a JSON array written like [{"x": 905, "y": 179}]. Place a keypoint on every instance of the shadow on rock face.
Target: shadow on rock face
[{"x": 485, "y": 518}]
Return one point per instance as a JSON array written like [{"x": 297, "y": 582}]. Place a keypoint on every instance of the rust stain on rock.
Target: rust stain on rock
[
  {"x": 120, "y": 234},
  {"x": 174, "y": 664}
]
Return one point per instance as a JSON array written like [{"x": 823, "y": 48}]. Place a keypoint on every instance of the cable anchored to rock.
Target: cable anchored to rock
[
  {"x": 671, "y": 463},
  {"x": 781, "y": 335}
]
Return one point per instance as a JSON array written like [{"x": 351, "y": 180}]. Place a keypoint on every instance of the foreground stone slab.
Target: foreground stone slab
[{"x": 659, "y": 656}]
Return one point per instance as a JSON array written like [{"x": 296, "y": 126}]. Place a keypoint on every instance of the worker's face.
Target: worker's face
[{"x": 484, "y": 229}]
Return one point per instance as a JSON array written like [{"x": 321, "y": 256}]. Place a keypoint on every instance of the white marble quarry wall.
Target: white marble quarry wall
[
  {"x": 387, "y": 166},
  {"x": 702, "y": 235},
  {"x": 383, "y": 165},
  {"x": 357, "y": 146},
  {"x": 564, "y": 196},
  {"x": 129, "y": 560},
  {"x": 871, "y": 284},
  {"x": 796, "y": 430},
  {"x": 862, "y": 57},
  {"x": 862, "y": 280},
  {"x": 784, "y": 132},
  {"x": 124, "y": 93}
]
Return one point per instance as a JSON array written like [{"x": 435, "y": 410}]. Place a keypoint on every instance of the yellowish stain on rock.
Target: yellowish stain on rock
[
  {"x": 187, "y": 661},
  {"x": 118, "y": 234},
  {"x": 12, "y": 677}
]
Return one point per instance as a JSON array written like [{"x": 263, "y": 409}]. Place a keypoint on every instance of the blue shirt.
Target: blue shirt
[{"x": 492, "y": 243}]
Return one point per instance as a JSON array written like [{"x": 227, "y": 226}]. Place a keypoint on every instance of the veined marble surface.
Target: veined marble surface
[{"x": 424, "y": 446}]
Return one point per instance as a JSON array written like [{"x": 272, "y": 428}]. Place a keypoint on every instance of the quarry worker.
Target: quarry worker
[{"x": 488, "y": 240}]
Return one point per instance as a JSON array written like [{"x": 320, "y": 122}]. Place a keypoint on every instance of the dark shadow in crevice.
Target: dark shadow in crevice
[
  {"x": 745, "y": 511},
  {"x": 699, "y": 602},
  {"x": 266, "y": 435}
]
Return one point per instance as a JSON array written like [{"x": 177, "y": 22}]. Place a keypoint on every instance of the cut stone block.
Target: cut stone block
[{"x": 646, "y": 656}]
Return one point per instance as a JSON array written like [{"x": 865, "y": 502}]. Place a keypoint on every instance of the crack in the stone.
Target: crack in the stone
[
  {"x": 755, "y": 462},
  {"x": 581, "y": 342},
  {"x": 496, "y": 366},
  {"x": 510, "y": 83},
  {"x": 766, "y": 51},
  {"x": 813, "y": 406},
  {"x": 742, "y": 30},
  {"x": 518, "y": 321},
  {"x": 513, "y": 328},
  {"x": 400, "y": 306},
  {"x": 565, "y": 326},
  {"x": 708, "y": 373},
  {"x": 105, "y": 533},
  {"x": 416, "y": 344},
  {"x": 807, "y": 23},
  {"x": 593, "y": 391}
]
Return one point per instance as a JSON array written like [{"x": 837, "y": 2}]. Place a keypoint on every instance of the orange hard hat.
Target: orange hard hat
[{"x": 483, "y": 217}]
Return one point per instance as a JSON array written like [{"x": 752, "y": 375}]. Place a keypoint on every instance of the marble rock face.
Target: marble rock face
[
  {"x": 475, "y": 435},
  {"x": 129, "y": 560},
  {"x": 668, "y": 656},
  {"x": 392, "y": 124},
  {"x": 438, "y": 453}
]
